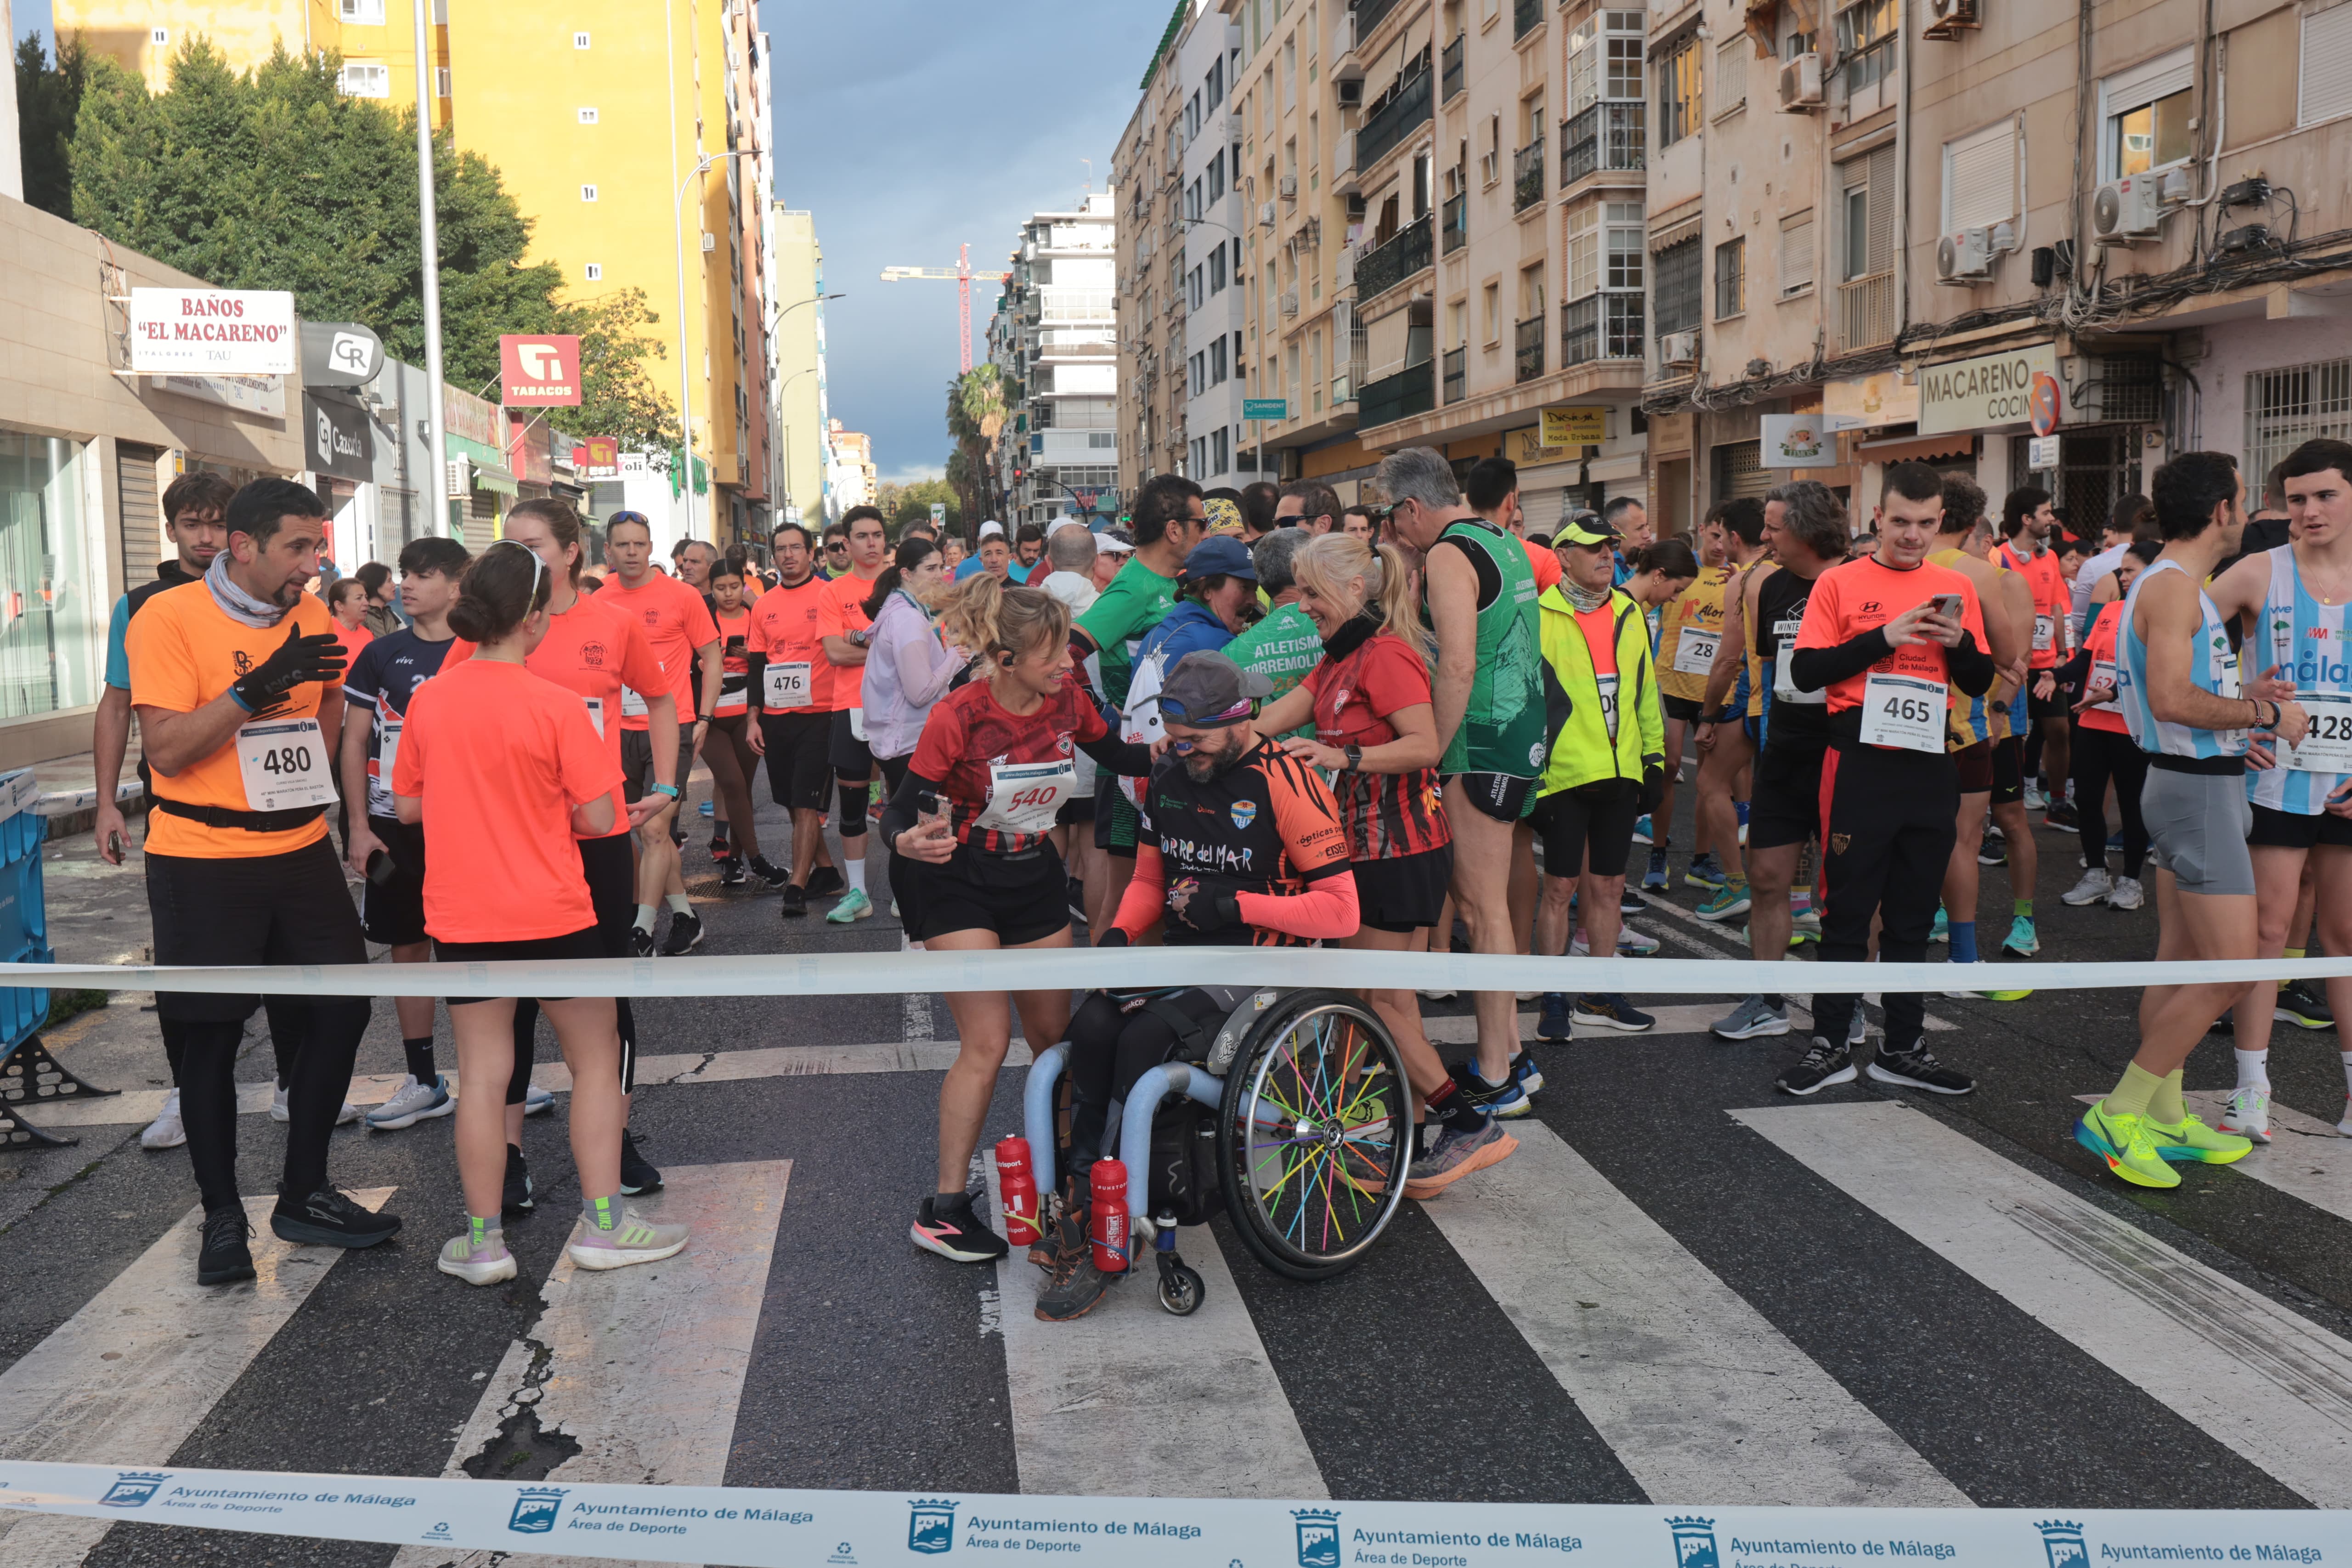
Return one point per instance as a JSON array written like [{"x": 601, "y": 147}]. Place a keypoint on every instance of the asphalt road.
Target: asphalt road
[{"x": 1685, "y": 1288}]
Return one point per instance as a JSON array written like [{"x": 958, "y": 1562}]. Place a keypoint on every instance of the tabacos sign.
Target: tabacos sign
[
  {"x": 539, "y": 370},
  {"x": 214, "y": 332},
  {"x": 1988, "y": 391}
]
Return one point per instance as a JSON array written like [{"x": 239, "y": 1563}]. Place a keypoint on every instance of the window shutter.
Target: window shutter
[
  {"x": 1796, "y": 253},
  {"x": 2326, "y": 81},
  {"x": 1883, "y": 176},
  {"x": 1731, "y": 73},
  {"x": 1980, "y": 178},
  {"x": 2159, "y": 77}
]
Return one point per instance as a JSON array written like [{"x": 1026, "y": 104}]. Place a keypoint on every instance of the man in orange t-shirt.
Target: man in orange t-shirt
[
  {"x": 686, "y": 639},
  {"x": 236, "y": 680},
  {"x": 844, "y": 626},
  {"x": 793, "y": 680},
  {"x": 2028, "y": 524}
]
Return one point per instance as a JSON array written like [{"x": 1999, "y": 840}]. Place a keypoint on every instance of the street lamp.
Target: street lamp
[
  {"x": 702, "y": 165},
  {"x": 772, "y": 320}
]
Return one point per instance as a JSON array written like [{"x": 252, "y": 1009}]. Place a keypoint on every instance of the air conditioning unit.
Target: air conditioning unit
[
  {"x": 1951, "y": 18},
  {"x": 1965, "y": 256},
  {"x": 1350, "y": 93},
  {"x": 1289, "y": 187},
  {"x": 1265, "y": 215},
  {"x": 2127, "y": 210},
  {"x": 1800, "y": 82},
  {"x": 1290, "y": 302},
  {"x": 457, "y": 480},
  {"x": 1678, "y": 349}
]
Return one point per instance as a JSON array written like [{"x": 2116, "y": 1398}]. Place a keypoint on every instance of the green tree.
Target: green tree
[
  {"x": 904, "y": 504},
  {"x": 275, "y": 179},
  {"x": 46, "y": 101}
]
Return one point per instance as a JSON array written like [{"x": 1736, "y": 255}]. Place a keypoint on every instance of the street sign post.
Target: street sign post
[{"x": 1260, "y": 410}]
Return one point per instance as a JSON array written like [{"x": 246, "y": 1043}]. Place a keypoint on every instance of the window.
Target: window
[
  {"x": 1867, "y": 42},
  {"x": 1604, "y": 59},
  {"x": 1200, "y": 373},
  {"x": 1980, "y": 178},
  {"x": 1457, "y": 324},
  {"x": 1193, "y": 295},
  {"x": 587, "y": 117},
  {"x": 1730, "y": 278},
  {"x": 2324, "y": 88},
  {"x": 1731, "y": 57},
  {"x": 579, "y": 40},
  {"x": 1868, "y": 212},
  {"x": 362, "y": 13},
  {"x": 2284, "y": 408},
  {"x": 160, "y": 36},
  {"x": 1678, "y": 89},
  {"x": 587, "y": 193},
  {"x": 49, "y": 649},
  {"x": 1217, "y": 271},
  {"x": 1217, "y": 176},
  {"x": 594, "y": 271},
  {"x": 1796, "y": 254},
  {"x": 2146, "y": 113},
  {"x": 1216, "y": 81},
  {"x": 1192, "y": 201},
  {"x": 1220, "y": 450},
  {"x": 366, "y": 79},
  {"x": 1192, "y": 117},
  {"x": 1493, "y": 317},
  {"x": 1677, "y": 287},
  {"x": 440, "y": 81},
  {"x": 1217, "y": 362}
]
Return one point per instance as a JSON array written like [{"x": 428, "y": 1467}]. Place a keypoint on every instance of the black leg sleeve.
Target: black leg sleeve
[
  {"x": 321, "y": 1078},
  {"x": 205, "y": 1055}
]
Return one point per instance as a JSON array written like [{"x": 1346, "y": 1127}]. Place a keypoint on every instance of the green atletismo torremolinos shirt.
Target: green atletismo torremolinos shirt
[
  {"x": 1502, "y": 730},
  {"x": 1283, "y": 647},
  {"x": 1137, "y": 600}
]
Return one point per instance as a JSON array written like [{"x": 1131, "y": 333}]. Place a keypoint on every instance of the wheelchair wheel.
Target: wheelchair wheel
[{"x": 1314, "y": 1133}]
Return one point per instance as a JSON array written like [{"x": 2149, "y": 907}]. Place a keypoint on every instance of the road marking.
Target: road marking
[
  {"x": 642, "y": 1367},
  {"x": 918, "y": 1024},
  {"x": 2258, "y": 1379},
  {"x": 125, "y": 1380},
  {"x": 1129, "y": 1401},
  {"x": 1697, "y": 1393}
]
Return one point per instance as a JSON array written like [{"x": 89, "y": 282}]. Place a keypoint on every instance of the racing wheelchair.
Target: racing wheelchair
[{"x": 1293, "y": 1113}]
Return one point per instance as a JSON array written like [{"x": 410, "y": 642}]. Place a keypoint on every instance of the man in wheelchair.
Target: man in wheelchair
[{"x": 1239, "y": 845}]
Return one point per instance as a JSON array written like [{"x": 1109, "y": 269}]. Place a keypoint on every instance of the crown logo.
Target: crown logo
[
  {"x": 1319, "y": 1537},
  {"x": 931, "y": 1525},
  {"x": 131, "y": 1488},
  {"x": 1693, "y": 1542},
  {"x": 2062, "y": 1540}
]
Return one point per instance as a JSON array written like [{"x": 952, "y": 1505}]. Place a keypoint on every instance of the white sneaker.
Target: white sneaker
[
  {"x": 2126, "y": 895},
  {"x": 1439, "y": 995},
  {"x": 277, "y": 1111},
  {"x": 2094, "y": 886},
  {"x": 2344, "y": 1126},
  {"x": 411, "y": 1103},
  {"x": 2034, "y": 797},
  {"x": 536, "y": 1100},
  {"x": 166, "y": 1131},
  {"x": 2249, "y": 1115}
]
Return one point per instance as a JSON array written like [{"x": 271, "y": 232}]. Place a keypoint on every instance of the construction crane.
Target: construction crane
[{"x": 961, "y": 275}]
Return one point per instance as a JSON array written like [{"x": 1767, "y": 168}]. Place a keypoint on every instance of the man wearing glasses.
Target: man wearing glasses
[{"x": 1307, "y": 505}]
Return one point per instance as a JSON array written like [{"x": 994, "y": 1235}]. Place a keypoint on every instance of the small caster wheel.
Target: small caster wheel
[{"x": 1181, "y": 1289}]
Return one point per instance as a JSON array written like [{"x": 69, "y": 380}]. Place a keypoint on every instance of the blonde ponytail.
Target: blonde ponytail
[{"x": 1340, "y": 567}]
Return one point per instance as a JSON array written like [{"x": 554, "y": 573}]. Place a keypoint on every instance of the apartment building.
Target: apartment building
[
  {"x": 1207, "y": 55},
  {"x": 797, "y": 335},
  {"x": 1154, "y": 379},
  {"x": 1054, "y": 338}
]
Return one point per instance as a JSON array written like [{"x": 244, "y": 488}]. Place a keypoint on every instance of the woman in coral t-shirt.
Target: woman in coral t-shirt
[
  {"x": 505, "y": 770},
  {"x": 347, "y": 599}
]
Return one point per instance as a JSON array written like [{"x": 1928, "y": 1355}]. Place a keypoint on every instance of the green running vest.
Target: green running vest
[{"x": 1502, "y": 732}]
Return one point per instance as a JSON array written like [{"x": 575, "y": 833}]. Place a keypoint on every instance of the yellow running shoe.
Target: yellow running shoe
[
  {"x": 2190, "y": 1140},
  {"x": 2123, "y": 1142}
]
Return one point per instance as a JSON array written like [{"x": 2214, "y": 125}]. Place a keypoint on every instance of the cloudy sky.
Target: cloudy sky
[{"x": 908, "y": 134}]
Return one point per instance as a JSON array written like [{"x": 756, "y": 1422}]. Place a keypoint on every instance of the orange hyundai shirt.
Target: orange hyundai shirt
[
  {"x": 787, "y": 627},
  {"x": 183, "y": 653},
  {"x": 1853, "y": 597},
  {"x": 848, "y": 615},
  {"x": 499, "y": 757},
  {"x": 593, "y": 653},
  {"x": 354, "y": 638},
  {"x": 675, "y": 622},
  {"x": 2051, "y": 600}
]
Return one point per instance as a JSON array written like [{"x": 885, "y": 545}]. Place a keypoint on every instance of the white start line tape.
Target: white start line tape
[
  {"x": 759, "y": 1527},
  {"x": 1138, "y": 969}
]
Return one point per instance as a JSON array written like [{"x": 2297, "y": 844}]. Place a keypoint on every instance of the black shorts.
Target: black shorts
[
  {"x": 2293, "y": 830},
  {"x": 392, "y": 913},
  {"x": 293, "y": 908},
  {"x": 1117, "y": 821},
  {"x": 2055, "y": 706},
  {"x": 2007, "y": 770},
  {"x": 799, "y": 758},
  {"x": 851, "y": 759},
  {"x": 1023, "y": 899},
  {"x": 1076, "y": 809},
  {"x": 1785, "y": 807},
  {"x": 585, "y": 942},
  {"x": 1404, "y": 893},
  {"x": 1685, "y": 708},
  {"x": 1974, "y": 762},
  {"x": 1596, "y": 817},
  {"x": 1499, "y": 795},
  {"x": 637, "y": 762}
]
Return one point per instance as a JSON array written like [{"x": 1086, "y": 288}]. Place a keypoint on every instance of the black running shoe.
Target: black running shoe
[
  {"x": 328, "y": 1218},
  {"x": 1824, "y": 1065},
  {"x": 731, "y": 873},
  {"x": 794, "y": 902},
  {"x": 826, "y": 880},
  {"x": 767, "y": 871},
  {"x": 685, "y": 935},
  {"x": 2226, "y": 1024},
  {"x": 1918, "y": 1068},
  {"x": 641, "y": 943},
  {"x": 721, "y": 848},
  {"x": 518, "y": 1197},
  {"x": 2304, "y": 1005},
  {"x": 224, "y": 1258},
  {"x": 949, "y": 1227},
  {"x": 638, "y": 1172}
]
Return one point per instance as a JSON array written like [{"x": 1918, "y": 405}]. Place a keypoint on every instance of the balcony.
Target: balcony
[
  {"x": 1528, "y": 353},
  {"x": 1527, "y": 175},
  {"x": 1345, "y": 65},
  {"x": 1385, "y": 266},
  {"x": 1601, "y": 326},
  {"x": 1343, "y": 166},
  {"x": 1456, "y": 373},
  {"x": 1370, "y": 15},
  {"x": 1449, "y": 69},
  {"x": 1607, "y": 136},
  {"x": 1455, "y": 220},
  {"x": 1866, "y": 312},
  {"x": 1406, "y": 111},
  {"x": 1411, "y": 391}
]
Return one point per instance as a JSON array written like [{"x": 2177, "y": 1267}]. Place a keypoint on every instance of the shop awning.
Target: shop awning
[{"x": 1918, "y": 449}]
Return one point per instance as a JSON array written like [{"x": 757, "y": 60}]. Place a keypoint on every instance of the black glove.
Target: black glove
[
  {"x": 1203, "y": 903},
  {"x": 1654, "y": 786},
  {"x": 299, "y": 659},
  {"x": 1113, "y": 937}
]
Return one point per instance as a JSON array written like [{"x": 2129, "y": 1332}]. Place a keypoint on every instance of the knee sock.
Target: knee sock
[
  {"x": 1963, "y": 940},
  {"x": 854, "y": 873},
  {"x": 2254, "y": 1069},
  {"x": 2131, "y": 1096},
  {"x": 1452, "y": 1106},
  {"x": 2165, "y": 1104},
  {"x": 420, "y": 1059},
  {"x": 645, "y": 913},
  {"x": 2024, "y": 907},
  {"x": 485, "y": 1232},
  {"x": 679, "y": 903}
]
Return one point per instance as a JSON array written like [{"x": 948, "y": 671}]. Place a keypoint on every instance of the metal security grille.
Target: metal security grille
[
  {"x": 140, "y": 512},
  {"x": 1740, "y": 470},
  {"x": 2287, "y": 408}
]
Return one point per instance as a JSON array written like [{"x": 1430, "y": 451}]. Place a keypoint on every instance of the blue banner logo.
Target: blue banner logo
[
  {"x": 2063, "y": 1540},
  {"x": 535, "y": 1511},
  {"x": 931, "y": 1527},
  {"x": 1693, "y": 1542},
  {"x": 131, "y": 1488},
  {"x": 1319, "y": 1537}
]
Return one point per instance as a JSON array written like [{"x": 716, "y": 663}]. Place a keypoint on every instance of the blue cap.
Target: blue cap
[{"x": 1219, "y": 557}]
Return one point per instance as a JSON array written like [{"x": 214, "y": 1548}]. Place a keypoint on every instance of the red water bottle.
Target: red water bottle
[
  {"x": 1107, "y": 1227},
  {"x": 1016, "y": 1190}
]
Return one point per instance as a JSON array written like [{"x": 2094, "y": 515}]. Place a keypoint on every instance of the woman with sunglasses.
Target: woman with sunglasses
[
  {"x": 506, "y": 770},
  {"x": 969, "y": 821}
]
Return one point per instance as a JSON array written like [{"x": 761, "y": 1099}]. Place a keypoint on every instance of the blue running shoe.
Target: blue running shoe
[
  {"x": 1705, "y": 871},
  {"x": 1642, "y": 831},
  {"x": 1654, "y": 880},
  {"x": 1551, "y": 1024},
  {"x": 1525, "y": 1074}
]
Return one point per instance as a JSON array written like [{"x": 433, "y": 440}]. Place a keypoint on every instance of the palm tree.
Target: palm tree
[{"x": 975, "y": 416}]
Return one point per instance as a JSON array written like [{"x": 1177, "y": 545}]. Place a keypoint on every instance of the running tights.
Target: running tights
[
  {"x": 203, "y": 1064},
  {"x": 1888, "y": 823},
  {"x": 2102, "y": 756},
  {"x": 1109, "y": 1049},
  {"x": 732, "y": 764}
]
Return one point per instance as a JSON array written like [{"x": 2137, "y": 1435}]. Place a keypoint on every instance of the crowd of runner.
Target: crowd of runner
[{"x": 1255, "y": 717}]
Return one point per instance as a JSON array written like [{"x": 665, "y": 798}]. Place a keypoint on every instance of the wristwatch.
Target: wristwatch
[{"x": 1355, "y": 754}]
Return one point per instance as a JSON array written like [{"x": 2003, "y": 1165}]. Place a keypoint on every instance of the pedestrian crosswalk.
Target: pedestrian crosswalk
[{"x": 1712, "y": 1375}]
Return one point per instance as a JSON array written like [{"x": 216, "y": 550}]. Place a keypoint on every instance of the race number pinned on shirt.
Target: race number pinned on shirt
[
  {"x": 597, "y": 714},
  {"x": 2103, "y": 673},
  {"x": 1784, "y": 673},
  {"x": 1695, "y": 652},
  {"x": 1903, "y": 711},
  {"x": 788, "y": 685},
  {"x": 387, "y": 749},
  {"x": 2327, "y": 746},
  {"x": 2045, "y": 633},
  {"x": 1023, "y": 797},
  {"x": 1608, "y": 684},
  {"x": 633, "y": 703},
  {"x": 284, "y": 765}
]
